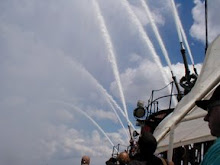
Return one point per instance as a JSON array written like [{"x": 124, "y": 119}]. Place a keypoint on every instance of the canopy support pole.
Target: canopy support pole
[{"x": 170, "y": 150}]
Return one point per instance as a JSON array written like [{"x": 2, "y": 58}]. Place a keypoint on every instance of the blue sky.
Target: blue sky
[{"x": 56, "y": 72}]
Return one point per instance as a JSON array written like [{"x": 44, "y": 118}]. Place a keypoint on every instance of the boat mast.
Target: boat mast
[{"x": 206, "y": 26}]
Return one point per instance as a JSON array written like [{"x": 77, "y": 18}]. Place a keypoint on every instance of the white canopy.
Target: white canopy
[{"x": 187, "y": 119}]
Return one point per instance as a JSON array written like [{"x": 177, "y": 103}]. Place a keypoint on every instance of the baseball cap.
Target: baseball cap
[{"x": 213, "y": 101}]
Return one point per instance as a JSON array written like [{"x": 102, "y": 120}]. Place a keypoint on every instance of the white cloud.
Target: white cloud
[
  {"x": 135, "y": 58},
  {"x": 138, "y": 82},
  {"x": 156, "y": 13},
  {"x": 198, "y": 28},
  {"x": 103, "y": 114}
]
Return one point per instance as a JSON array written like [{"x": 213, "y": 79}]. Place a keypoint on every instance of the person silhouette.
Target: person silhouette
[
  {"x": 85, "y": 160},
  {"x": 212, "y": 106},
  {"x": 147, "y": 145}
]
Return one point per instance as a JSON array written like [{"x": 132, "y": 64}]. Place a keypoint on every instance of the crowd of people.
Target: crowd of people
[{"x": 147, "y": 143}]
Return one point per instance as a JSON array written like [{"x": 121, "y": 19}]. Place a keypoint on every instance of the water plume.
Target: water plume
[
  {"x": 126, "y": 132},
  {"x": 87, "y": 116},
  {"x": 159, "y": 39},
  {"x": 111, "y": 55},
  {"x": 146, "y": 39},
  {"x": 108, "y": 97},
  {"x": 186, "y": 42},
  {"x": 157, "y": 34},
  {"x": 180, "y": 30},
  {"x": 176, "y": 17}
]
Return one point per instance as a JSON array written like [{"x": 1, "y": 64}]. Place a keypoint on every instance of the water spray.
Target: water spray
[
  {"x": 187, "y": 81},
  {"x": 111, "y": 55},
  {"x": 120, "y": 121},
  {"x": 87, "y": 116},
  {"x": 182, "y": 34},
  {"x": 108, "y": 97},
  {"x": 145, "y": 38},
  {"x": 161, "y": 43}
]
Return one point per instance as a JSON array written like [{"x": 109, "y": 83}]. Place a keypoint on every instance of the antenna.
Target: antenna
[{"x": 206, "y": 26}]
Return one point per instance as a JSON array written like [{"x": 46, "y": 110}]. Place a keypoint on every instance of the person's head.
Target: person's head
[
  {"x": 147, "y": 143},
  {"x": 212, "y": 106},
  {"x": 85, "y": 160},
  {"x": 123, "y": 158}
]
